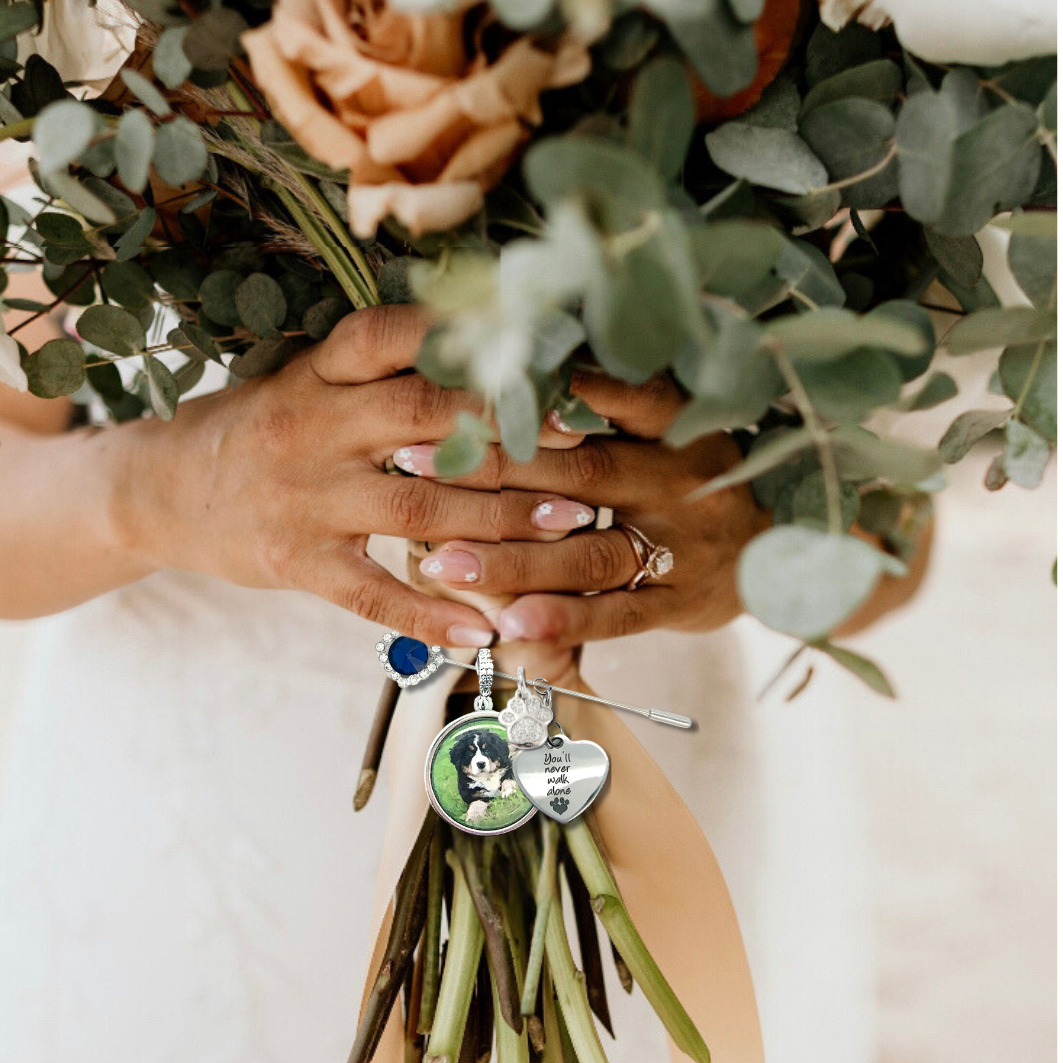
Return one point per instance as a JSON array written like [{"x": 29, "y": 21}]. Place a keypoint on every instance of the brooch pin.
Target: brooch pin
[{"x": 410, "y": 662}]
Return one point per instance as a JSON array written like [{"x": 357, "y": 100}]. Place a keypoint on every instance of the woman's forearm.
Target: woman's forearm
[{"x": 61, "y": 542}]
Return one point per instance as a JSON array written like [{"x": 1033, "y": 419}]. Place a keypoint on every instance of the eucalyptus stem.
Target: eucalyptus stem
[
  {"x": 820, "y": 438},
  {"x": 545, "y": 898},
  {"x": 605, "y": 898},
  {"x": 432, "y": 935},
  {"x": 464, "y": 947}
]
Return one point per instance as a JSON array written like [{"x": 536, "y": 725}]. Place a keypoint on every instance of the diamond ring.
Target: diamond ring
[{"x": 655, "y": 562}]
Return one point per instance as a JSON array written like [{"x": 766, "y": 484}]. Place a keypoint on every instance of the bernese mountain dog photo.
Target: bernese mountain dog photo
[{"x": 485, "y": 771}]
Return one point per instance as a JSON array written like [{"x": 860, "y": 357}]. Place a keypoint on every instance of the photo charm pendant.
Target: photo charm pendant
[
  {"x": 469, "y": 777},
  {"x": 407, "y": 660},
  {"x": 562, "y": 777}
]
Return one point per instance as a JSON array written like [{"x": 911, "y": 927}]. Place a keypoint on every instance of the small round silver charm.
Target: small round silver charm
[
  {"x": 485, "y": 670},
  {"x": 527, "y": 715}
]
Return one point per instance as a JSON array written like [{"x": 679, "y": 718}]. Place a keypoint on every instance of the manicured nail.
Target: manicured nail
[
  {"x": 460, "y": 635},
  {"x": 452, "y": 566},
  {"x": 512, "y": 628},
  {"x": 559, "y": 514},
  {"x": 419, "y": 459},
  {"x": 553, "y": 419}
]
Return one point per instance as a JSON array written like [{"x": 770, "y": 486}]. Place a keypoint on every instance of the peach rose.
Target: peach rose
[{"x": 413, "y": 106}]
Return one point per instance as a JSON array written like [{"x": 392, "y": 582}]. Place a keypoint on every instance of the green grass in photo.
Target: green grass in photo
[{"x": 501, "y": 812}]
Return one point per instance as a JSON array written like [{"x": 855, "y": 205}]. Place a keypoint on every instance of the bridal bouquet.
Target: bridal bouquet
[{"x": 727, "y": 191}]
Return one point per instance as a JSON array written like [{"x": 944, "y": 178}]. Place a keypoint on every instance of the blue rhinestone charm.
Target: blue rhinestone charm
[
  {"x": 407, "y": 660},
  {"x": 407, "y": 656}
]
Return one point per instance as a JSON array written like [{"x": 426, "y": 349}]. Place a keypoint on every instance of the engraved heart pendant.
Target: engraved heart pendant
[{"x": 563, "y": 777}]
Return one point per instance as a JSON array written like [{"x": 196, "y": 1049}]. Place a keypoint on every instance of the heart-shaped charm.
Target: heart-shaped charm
[{"x": 563, "y": 777}]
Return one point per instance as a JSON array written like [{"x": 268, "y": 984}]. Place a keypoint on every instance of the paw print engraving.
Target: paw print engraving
[
  {"x": 559, "y": 805},
  {"x": 525, "y": 718}
]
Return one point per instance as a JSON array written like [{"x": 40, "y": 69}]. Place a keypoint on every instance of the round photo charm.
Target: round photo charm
[{"x": 469, "y": 777}]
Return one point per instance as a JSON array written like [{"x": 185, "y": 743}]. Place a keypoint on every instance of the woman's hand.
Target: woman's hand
[
  {"x": 647, "y": 485},
  {"x": 278, "y": 483},
  {"x": 281, "y": 482}
]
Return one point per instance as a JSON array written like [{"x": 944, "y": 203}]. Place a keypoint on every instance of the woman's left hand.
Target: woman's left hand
[{"x": 647, "y": 485}]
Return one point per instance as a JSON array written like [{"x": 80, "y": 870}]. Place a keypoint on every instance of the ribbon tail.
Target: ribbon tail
[{"x": 672, "y": 886}]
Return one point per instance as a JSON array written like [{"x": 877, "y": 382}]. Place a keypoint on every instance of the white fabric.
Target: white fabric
[{"x": 182, "y": 876}]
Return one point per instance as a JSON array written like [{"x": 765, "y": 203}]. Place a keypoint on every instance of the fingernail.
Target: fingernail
[
  {"x": 452, "y": 566},
  {"x": 511, "y": 627},
  {"x": 553, "y": 419},
  {"x": 460, "y": 635},
  {"x": 560, "y": 514},
  {"x": 419, "y": 459}
]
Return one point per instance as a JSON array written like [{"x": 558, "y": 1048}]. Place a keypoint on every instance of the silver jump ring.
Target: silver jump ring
[
  {"x": 654, "y": 561},
  {"x": 485, "y": 671}
]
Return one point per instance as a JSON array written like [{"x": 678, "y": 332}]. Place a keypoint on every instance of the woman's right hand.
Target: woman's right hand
[{"x": 280, "y": 482}]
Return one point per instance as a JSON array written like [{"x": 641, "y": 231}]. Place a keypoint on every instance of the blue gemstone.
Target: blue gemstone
[{"x": 407, "y": 656}]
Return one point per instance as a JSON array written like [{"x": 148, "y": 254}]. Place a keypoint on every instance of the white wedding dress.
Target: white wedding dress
[{"x": 182, "y": 877}]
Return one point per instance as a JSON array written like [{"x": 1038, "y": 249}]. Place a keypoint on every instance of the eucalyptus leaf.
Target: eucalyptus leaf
[
  {"x": 852, "y": 387},
  {"x": 879, "y": 80},
  {"x": 829, "y": 333},
  {"x": 1033, "y": 263},
  {"x": 265, "y": 356},
  {"x": 78, "y": 196},
  {"x": 177, "y": 272},
  {"x": 852, "y": 137},
  {"x": 133, "y": 148},
  {"x": 261, "y": 304},
  {"x": 770, "y": 454},
  {"x": 805, "y": 582},
  {"x": 722, "y": 49},
  {"x": 131, "y": 242},
  {"x": 62, "y": 132},
  {"x": 17, "y": 18},
  {"x": 661, "y": 121},
  {"x": 999, "y": 327},
  {"x": 321, "y": 318},
  {"x": 807, "y": 270},
  {"x": 773, "y": 158},
  {"x": 194, "y": 342},
  {"x": 213, "y": 39},
  {"x": 862, "y": 667},
  {"x": 463, "y": 450},
  {"x": 57, "y": 369},
  {"x": 614, "y": 178},
  {"x": 737, "y": 258},
  {"x": 1028, "y": 372},
  {"x": 959, "y": 167},
  {"x": 968, "y": 429},
  {"x": 180, "y": 153},
  {"x": 778, "y": 106},
  {"x": 172, "y": 67},
  {"x": 218, "y": 295},
  {"x": 112, "y": 329},
  {"x": 519, "y": 417},
  {"x": 808, "y": 503},
  {"x": 960, "y": 255},
  {"x": 939, "y": 388},
  {"x": 829, "y": 52},
  {"x": 1026, "y": 455},
  {"x": 146, "y": 92},
  {"x": 863, "y": 455},
  {"x": 128, "y": 284},
  {"x": 163, "y": 389}
]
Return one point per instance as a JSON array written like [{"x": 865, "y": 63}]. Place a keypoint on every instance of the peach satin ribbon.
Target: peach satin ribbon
[{"x": 665, "y": 869}]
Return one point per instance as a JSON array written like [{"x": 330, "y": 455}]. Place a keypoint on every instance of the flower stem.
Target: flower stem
[
  {"x": 605, "y": 898},
  {"x": 432, "y": 934},
  {"x": 545, "y": 899},
  {"x": 459, "y": 975}
]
